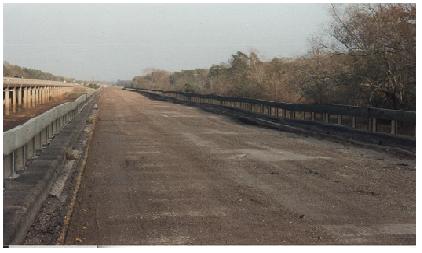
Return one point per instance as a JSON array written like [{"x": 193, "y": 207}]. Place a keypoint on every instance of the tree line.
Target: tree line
[
  {"x": 367, "y": 57},
  {"x": 10, "y": 70}
]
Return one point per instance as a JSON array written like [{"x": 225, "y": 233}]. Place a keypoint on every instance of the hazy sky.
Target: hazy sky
[{"x": 119, "y": 41}]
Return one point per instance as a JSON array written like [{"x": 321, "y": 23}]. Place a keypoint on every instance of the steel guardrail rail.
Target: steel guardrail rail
[
  {"x": 21, "y": 142},
  {"x": 370, "y": 113}
]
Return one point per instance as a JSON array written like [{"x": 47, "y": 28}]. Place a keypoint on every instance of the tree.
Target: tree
[{"x": 381, "y": 38}]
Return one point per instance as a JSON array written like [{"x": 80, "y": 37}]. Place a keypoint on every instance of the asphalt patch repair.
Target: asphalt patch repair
[{"x": 162, "y": 173}]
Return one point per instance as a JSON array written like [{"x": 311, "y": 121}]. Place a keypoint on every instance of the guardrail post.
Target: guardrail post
[
  {"x": 394, "y": 127},
  {"x": 353, "y": 122},
  {"x": 44, "y": 136},
  {"x": 19, "y": 159},
  {"x": 292, "y": 115},
  {"x": 8, "y": 168},
  {"x": 50, "y": 130},
  {"x": 30, "y": 148},
  {"x": 37, "y": 142},
  {"x": 372, "y": 125},
  {"x": 55, "y": 126}
]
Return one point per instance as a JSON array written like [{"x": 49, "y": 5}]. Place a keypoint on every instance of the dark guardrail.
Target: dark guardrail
[{"x": 372, "y": 119}]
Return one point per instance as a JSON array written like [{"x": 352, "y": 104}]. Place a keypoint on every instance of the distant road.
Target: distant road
[{"x": 161, "y": 173}]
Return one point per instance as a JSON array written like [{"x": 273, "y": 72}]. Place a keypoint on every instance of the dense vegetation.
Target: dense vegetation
[
  {"x": 10, "y": 70},
  {"x": 367, "y": 57}
]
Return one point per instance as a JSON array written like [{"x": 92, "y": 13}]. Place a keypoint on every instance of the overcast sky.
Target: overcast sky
[{"x": 119, "y": 41}]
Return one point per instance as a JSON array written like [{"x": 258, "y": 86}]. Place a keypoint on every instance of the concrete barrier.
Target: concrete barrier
[{"x": 22, "y": 142}]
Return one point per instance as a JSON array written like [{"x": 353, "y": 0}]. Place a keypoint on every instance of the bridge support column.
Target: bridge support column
[
  {"x": 28, "y": 97},
  {"x": 35, "y": 91},
  {"x": 339, "y": 119},
  {"x": 7, "y": 101},
  {"x": 19, "y": 97},
  {"x": 34, "y": 97},
  {"x": 38, "y": 91},
  {"x": 42, "y": 95},
  {"x": 14, "y": 100},
  {"x": 24, "y": 97},
  {"x": 313, "y": 116}
]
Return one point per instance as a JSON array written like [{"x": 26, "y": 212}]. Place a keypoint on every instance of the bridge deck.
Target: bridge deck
[{"x": 161, "y": 173}]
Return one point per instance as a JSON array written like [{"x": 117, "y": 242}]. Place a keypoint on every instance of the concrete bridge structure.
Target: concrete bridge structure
[{"x": 27, "y": 93}]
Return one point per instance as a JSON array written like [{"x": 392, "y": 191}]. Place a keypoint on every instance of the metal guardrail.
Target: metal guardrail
[
  {"x": 22, "y": 142},
  {"x": 370, "y": 119},
  {"x": 20, "y": 82}
]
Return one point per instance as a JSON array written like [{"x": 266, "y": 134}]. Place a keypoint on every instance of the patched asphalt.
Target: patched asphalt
[{"x": 163, "y": 173}]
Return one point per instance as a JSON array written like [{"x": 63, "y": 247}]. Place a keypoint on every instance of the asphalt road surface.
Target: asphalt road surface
[{"x": 162, "y": 173}]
